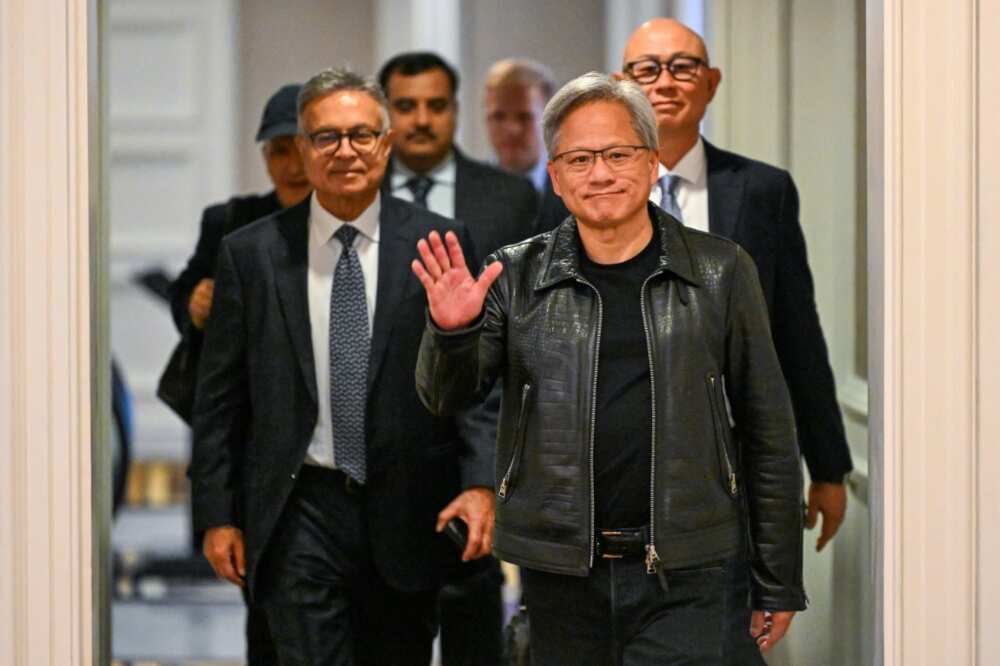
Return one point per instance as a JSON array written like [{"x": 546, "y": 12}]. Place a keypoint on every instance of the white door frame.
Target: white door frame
[{"x": 926, "y": 366}]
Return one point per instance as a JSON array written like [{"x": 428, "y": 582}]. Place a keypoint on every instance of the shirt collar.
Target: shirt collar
[
  {"x": 443, "y": 173},
  {"x": 539, "y": 173},
  {"x": 323, "y": 224},
  {"x": 691, "y": 167}
]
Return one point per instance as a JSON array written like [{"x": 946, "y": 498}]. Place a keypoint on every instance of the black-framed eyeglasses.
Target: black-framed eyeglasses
[
  {"x": 362, "y": 140},
  {"x": 681, "y": 68},
  {"x": 616, "y": 158}
]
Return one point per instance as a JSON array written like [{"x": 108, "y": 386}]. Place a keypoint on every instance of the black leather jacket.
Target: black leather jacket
[{"x": 708, "y": 336}]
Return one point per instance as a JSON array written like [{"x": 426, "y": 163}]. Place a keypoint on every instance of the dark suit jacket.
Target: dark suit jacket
[
  {"x": 216, "y": 221},
  {"x": 757, "y": 206},
  {"x": 256, "y": 407},
  {"x": 498, "y": 208}
]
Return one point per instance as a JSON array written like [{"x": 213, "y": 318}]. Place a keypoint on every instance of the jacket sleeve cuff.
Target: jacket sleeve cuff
[
  {"x": 457, "y": 337},
  {"x": 779, "y": 602},
  {"x": 830, "y": 476},
  {"x": 476, "y": 475},
  {"x": 217, "y": 511}
]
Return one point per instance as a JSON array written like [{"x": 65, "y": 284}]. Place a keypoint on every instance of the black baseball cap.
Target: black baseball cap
[{"x": 281, "y": 116}]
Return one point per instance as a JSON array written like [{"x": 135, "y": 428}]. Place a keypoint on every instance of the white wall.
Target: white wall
[{"x": 171, "y": 98}]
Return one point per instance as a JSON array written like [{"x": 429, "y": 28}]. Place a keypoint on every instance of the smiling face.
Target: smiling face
[
  {"x": 423, "y": 113},
  {"x": 343, "y": 172},
  {"x": 679, "y": 105},
  {"x": 602, "y": 197}
]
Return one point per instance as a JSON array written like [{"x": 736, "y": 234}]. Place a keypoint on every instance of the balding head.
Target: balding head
[
  {"x": 670, "y": 62},
  {"x": 656, "y": 35}
]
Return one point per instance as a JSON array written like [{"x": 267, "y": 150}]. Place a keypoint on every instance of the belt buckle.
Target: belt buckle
[{"x": 604, "y": 555}]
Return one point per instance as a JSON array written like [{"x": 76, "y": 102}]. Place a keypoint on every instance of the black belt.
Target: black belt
[
  {"x": 615, "y": 544},
  {"x": 325, "y": 475}
]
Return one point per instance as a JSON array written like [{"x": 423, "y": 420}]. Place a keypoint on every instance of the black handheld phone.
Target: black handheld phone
[{"x": 457, "y": 531}]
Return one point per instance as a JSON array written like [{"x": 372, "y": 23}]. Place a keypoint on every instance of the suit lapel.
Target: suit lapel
[
  {"x": 290, "y": 260},
  {"x": 725, "y": 193},
  {"x": 397, "y": 246}
]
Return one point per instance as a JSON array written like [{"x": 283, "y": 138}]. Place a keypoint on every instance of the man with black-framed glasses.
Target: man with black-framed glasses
[
  {"x": 317, "y": 475},
  {"x": 756, "y": 205},
  {"x": 623, "y": 491}
]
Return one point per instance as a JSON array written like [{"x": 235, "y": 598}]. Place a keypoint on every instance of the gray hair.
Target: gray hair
[
  {"x": 521, "y": 72},
  {"x": 336, "y": 79},
  {"x": 598, "y": 87}
]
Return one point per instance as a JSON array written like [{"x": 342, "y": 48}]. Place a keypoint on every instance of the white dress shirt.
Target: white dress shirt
[
  {"x": 692, "y": 192},
  {"x": 324, "y": 253},
  {"x": 441, "y": 196},
  {"x": 539, "y": 174}
]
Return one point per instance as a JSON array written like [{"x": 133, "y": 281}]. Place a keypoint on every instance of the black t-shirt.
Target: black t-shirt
[{"x": 623, "y": 437}]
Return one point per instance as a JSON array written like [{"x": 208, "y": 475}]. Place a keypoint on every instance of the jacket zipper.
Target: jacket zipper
[
  {"x": 653, "y": 563},
  {"x": 515, "y": 458},
  {"x": 721, "y": 424},
  {"x": 593, "y": 410}
]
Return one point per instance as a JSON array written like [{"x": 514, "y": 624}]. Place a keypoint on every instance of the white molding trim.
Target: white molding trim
[
  {"x": 45, "y": 411},
  {"x": 988, "y": 331},
  {"x": 853, "y": 395},
  {"x": 923, "y": 298}
]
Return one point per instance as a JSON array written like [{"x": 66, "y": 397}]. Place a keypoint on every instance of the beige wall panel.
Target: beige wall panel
[
  {"x": 45, "y": 507},
  {"x": 926, "y": 274},
  {"x": 988, "y": 309}
]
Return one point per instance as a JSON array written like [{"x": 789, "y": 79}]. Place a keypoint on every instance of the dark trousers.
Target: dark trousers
[
  {"x": 620, "y": 615},
  {"x": 471, "y": 612},
  {"x": 325, "y": 601},
  {"x": 260, "y": 645}
]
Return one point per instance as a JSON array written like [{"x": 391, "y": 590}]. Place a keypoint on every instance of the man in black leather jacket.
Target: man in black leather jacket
[{"x": 625, "y": 489}]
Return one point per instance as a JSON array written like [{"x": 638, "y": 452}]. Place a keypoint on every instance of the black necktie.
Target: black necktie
[
  {"x": 420, "y": 186},
  {"x": 349, "y": 346}
]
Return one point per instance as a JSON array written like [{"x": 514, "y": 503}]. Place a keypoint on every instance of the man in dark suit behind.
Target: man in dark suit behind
[
  {"x": 191, "y": 292},
  {"x": 756, "y": 205},
  {"x": 497, "y": 208},
  {"x": 318, "y": 477},
  {"x": 427, "y": 168}
]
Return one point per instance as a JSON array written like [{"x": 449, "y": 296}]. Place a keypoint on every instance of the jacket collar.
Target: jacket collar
[{"x": 561, "y": 260}]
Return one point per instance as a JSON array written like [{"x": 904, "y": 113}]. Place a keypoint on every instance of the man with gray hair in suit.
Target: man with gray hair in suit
[{"x": 320, "y": 481}]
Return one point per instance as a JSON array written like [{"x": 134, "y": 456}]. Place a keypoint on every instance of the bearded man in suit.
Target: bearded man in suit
[{"x": 498, "y": 208}]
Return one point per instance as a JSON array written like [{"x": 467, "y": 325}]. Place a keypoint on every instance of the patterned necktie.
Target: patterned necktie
[
  {"x": 668, "y": 195},
  {"x": 349, "y": 347},
  {"x": 420, "y": 186}
]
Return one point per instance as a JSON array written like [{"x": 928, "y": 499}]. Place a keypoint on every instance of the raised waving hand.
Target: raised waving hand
[{"x": 454, "y": 297}]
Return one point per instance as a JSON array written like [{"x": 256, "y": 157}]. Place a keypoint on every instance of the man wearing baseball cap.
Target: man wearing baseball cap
[{"x": 191, "y": 292}]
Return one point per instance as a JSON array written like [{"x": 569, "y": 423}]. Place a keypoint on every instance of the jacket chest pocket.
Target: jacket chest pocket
[
  {"x": 507, "y": 483},
  {"x": 720, "y": 422}
]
